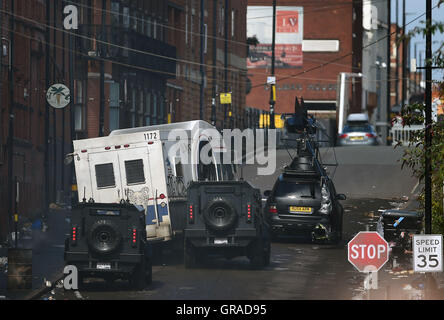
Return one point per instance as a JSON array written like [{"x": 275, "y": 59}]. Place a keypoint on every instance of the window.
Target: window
[
  {"x": 140, "y": 109},
  {"x": 148, "y": 109},
  {"x": 148, "y": 27},
  {"x": 79, "y": 107},
  {"x": 233, "y": 14},
  {"x": 134, "y": 20},
  {"x": 155, "y": 29},
  {"x": 186, "y": 25},
  {"x": 134, "y": 172},
  {"x": 154, "y": 118},
  {"x": 133, "y": 108},
  {"x": 114, "y": 106},
  {"x": 105, "y": 175},
  {"x": 115, "y": 13},
  {"x": 126, "y": 17}
]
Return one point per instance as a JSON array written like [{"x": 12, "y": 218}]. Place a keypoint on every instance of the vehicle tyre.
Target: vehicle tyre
[
  {"x": 220, "y": 215},
  {"x": 138, "y": 278},
  {"x": 337, "y": 231},
  {"x": 260, "y": 256},
  {"x": 149, "y": 273},
  {"x": 189, "y": 256},
  {"x": 104, "y": 237}
]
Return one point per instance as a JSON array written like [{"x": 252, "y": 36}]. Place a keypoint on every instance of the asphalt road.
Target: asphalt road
[{"x": 372, "y": 180}]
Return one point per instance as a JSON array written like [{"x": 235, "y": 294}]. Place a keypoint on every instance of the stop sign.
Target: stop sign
[{"x": 368, "y": 251}]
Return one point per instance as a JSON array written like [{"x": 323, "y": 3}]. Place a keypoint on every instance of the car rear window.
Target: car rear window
[
  {"x": 285, "y": 188},
  {"x": 357, "y": 128}
]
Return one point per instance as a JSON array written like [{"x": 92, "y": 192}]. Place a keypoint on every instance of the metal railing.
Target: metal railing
[{"x": 403, "y": 134}]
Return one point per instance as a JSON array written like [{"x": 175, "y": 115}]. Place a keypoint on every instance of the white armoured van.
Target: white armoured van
[{"x": 137, "y": 164}]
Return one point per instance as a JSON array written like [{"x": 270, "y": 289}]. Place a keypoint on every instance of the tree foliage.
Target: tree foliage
[{"x": 415, "y": 155}]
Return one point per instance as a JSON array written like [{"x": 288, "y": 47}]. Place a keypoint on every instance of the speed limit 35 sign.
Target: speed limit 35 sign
[{"x": 427, "y": 253}]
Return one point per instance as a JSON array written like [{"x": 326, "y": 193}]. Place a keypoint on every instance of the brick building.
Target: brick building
[
  {"x": 31, "y": 132},
  {"x": 222, "y": 66},
  {"x": 323, "y": 31}
]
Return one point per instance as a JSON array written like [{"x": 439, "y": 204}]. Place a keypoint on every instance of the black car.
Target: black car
[
  {"x": 303, "y": 200},
  {"x": 225, "y": 218},
  {"x": 109, "y": 241}
]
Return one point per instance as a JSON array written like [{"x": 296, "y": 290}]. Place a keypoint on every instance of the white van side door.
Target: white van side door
[
  {"x": 106, "y": 186},
  {"x": 136, "y": 177}
]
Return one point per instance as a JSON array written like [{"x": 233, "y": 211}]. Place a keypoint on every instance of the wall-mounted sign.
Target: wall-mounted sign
[
  {"x": 225, "y": 98},
  {"x": 58, "y": 96}
]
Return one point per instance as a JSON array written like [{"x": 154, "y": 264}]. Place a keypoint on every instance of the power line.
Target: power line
[
  {"x": 346, "y": 55},
  {"x": 318, "y": 9}
]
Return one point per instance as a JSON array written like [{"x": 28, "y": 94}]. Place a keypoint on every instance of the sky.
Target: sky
[{"x": 415, "y": 8}]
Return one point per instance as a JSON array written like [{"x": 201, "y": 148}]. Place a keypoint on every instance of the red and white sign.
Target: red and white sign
[
  {"x": 288, "y": 41},
  {"x": 368, "y": 251}
]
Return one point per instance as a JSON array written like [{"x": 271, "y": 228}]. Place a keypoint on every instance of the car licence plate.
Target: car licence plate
[
  {"x": 356, "y": 138},
  {"x": 304, "y": 210},
  {"x": 103, "y": 266},
  {"x": 220, "y": 241}
]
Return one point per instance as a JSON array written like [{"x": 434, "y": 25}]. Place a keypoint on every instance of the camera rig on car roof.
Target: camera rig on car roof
[{"x": 302, "y": 128}]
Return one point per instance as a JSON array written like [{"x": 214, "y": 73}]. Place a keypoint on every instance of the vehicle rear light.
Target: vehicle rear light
[
  {"x": 191, "y": 215},
  {"x": 272, "y": 209},
  {"x": 74, "y": 235},
  {"x": 107, "y": 148},
  {"x": 134, "y": 238},
  {"x": 117, "y": 147},
  {"x": 83, "y": 151},
  {"x": 150, "y": 142},
  {"x": 162, "y": 196},
  {"x": 249, "y": 213},
  {"x": 126, "y": 145},
  {"x": 343, "y": 136},
  {"x": 370, "y": 135}
]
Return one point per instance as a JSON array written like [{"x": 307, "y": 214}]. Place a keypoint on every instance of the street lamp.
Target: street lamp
[{"x": 344, "y": 76}]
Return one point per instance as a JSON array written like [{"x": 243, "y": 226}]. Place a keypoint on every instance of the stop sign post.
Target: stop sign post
[{"x": 368, "y": 251}]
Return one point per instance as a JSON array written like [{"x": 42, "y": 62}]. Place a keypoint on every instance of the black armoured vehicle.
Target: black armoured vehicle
[
  {"x": 109, "y": 241},
  {"x": 225, "y": 218}
]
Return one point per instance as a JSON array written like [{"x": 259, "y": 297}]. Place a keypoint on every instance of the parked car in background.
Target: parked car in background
[{"x": 358, "y": 131}]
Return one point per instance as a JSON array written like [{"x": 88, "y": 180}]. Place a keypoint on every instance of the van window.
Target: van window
[
  {"x": 134, "y": 171},
  {"x": 105, "y": 175}
]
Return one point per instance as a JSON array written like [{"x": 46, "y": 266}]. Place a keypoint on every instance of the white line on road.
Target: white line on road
[{"x": 416, "y": 186}]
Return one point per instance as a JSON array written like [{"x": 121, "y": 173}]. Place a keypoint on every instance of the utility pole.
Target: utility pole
[
  {"x": 428, "y": 122},
  {"x": 62, "y": 147},
  {"x": 11, "y": 117},
  {"x": 102, "y": 72},
  {"x": 213, "y": 100},
  {"x": 226, "y": 59},
  {"x": 72, "y": 111},
  {"x": 389, "y": 66},
  {"x": 397, "y": 53},
  {"x": 202, "y": 68},
  {"x": 404, "y": 57},
  {"x": 54, "y": 113},
  {"x": 273, "y": 86},
  {"x": 47, "y": 110}
]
